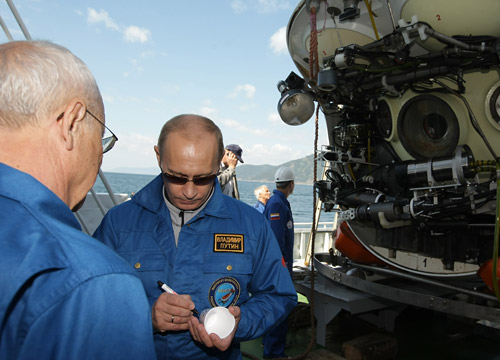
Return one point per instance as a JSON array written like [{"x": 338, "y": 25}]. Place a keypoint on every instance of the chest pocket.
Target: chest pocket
[
  {"x": 236, "y": 264},
  {"x": 150, "y": 267},
  {"x": 149, "y": 261}
]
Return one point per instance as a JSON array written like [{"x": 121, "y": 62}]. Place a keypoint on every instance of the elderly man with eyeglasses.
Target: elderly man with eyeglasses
[
  {"x": 64, "y": 295},
  {"x": 208, "y": 247}
]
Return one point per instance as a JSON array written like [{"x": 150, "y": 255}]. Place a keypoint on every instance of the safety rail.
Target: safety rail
[{"x": 323, "y": 242}]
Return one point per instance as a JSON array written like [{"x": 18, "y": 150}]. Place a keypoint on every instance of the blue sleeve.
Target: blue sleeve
[
  {"x": 272, "y": 289},
  {"x": 106, "y": 234},
  {"x": 106, "y": 317}
]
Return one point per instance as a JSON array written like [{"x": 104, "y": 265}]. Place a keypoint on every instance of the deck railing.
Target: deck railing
[{"x": 323, "y": 242}]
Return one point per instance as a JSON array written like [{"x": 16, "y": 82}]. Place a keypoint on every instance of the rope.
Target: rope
[
  {"x": 312, "y": 342},
  {"x": 313, "y": 46},
  {"x": 313, "y": 72}
]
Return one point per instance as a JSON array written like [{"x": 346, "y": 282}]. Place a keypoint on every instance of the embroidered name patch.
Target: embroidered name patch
[
  {"x": 224, "y": 292},
  {"x": 229, "y": 243}
]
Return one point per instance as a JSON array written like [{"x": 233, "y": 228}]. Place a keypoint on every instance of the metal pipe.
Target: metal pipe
[
  {"x": 413, "y": 76},
  {"x": 98, "y": 201},
  {"x": 6, "y": 30},
  {"x": 108, "y": 187},
  {"x": 385, "y": 271},
  {"x": 449, "y": 40},
  {"x": 391, "y": 14},
  {"x": 19, "y": 20}
]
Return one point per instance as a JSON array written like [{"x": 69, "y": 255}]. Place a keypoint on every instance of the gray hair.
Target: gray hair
[
  {"x": 37, "y": 77},
  {"x": 259, "y": 190},
  {"x": 187, "y": 123}
]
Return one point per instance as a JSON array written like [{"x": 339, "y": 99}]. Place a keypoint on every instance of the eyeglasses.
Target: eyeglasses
[
  {"x": 109, "y": 141},
  {"x": 198, "y": 181}
]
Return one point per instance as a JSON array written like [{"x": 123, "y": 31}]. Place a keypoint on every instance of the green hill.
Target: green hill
[{"x": 303, "y": 169}]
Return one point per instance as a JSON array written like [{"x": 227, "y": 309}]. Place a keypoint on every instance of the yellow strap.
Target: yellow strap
[{"x": 370, "y": 12}]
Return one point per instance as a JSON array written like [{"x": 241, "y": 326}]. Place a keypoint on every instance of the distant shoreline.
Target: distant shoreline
[
  {"x": 301, "y": 200},
  {"x": 303, "y": 169},
  {"x": 272, "y": 182},
  {"x": 253, "y": 180}
]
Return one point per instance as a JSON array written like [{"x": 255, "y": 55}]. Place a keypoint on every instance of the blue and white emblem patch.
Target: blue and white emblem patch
[{"x": 224, "y": 292}]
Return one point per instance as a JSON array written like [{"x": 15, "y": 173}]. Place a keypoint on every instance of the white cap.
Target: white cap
[{"x": 284, "y": 174}]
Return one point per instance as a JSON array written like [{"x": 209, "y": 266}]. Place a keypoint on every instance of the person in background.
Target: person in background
[
  {"x": 227, "y": 171},
  {"x": 64, "y": 294},
  {"x": 211, "y": 249},
  {"x": 262, "y": 194},
  {"x": 279, "y": 214}
]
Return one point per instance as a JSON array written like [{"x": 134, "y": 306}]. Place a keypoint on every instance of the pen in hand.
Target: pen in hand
[{"x": 169, "y": 290}]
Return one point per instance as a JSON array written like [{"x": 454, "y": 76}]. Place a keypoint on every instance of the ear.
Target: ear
[
  {"x": 157, "y": 152},
  {"x": 70, "y": 122}
]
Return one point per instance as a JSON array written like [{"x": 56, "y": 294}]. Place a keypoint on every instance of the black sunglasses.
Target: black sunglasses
[{"x": 198, "y": 181}]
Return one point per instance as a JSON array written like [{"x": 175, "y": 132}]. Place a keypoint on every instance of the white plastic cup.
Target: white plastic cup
[{"x": 218, "y": 320}]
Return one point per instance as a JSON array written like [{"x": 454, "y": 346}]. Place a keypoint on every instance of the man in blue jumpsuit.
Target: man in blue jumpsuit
[
  {"x": 279, "y": 213},
  {"x": 262, "y": 194},
  {"x": 63, "y": 294},
  {"x": 209, "y": 248}
]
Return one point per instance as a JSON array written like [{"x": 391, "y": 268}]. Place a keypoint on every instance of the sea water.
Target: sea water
[{"x": 301, "y": 200}]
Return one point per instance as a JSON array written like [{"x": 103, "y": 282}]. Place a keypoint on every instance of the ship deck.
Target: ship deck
[{"x": 418, "y": 334}]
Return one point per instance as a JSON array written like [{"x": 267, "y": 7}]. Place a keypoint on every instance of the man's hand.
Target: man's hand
[
  {"x": 172, "y": 312},
  {"x": 199, "y": 333},
  {"x": 232, "y": 160}
]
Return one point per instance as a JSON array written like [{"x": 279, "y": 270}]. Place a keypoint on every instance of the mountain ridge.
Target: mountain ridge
[{"x": 303, "y": 169}]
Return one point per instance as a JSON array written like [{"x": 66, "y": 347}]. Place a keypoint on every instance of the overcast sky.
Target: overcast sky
[{"x": 157, "y": 59}]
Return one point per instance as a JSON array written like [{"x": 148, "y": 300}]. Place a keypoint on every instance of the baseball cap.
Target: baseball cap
[{"x": 236, "y": 150}]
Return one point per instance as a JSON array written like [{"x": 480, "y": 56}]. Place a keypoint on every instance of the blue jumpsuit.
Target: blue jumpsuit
[
  {"x": 226, "y": 255},
  {"x": 279, "y": 213},
  {"x": 63, "y": 294},
  {"x": 260, "y": 207}
]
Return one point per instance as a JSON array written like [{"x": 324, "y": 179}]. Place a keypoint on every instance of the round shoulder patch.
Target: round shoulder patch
[{"x": 224, "y": 292}]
